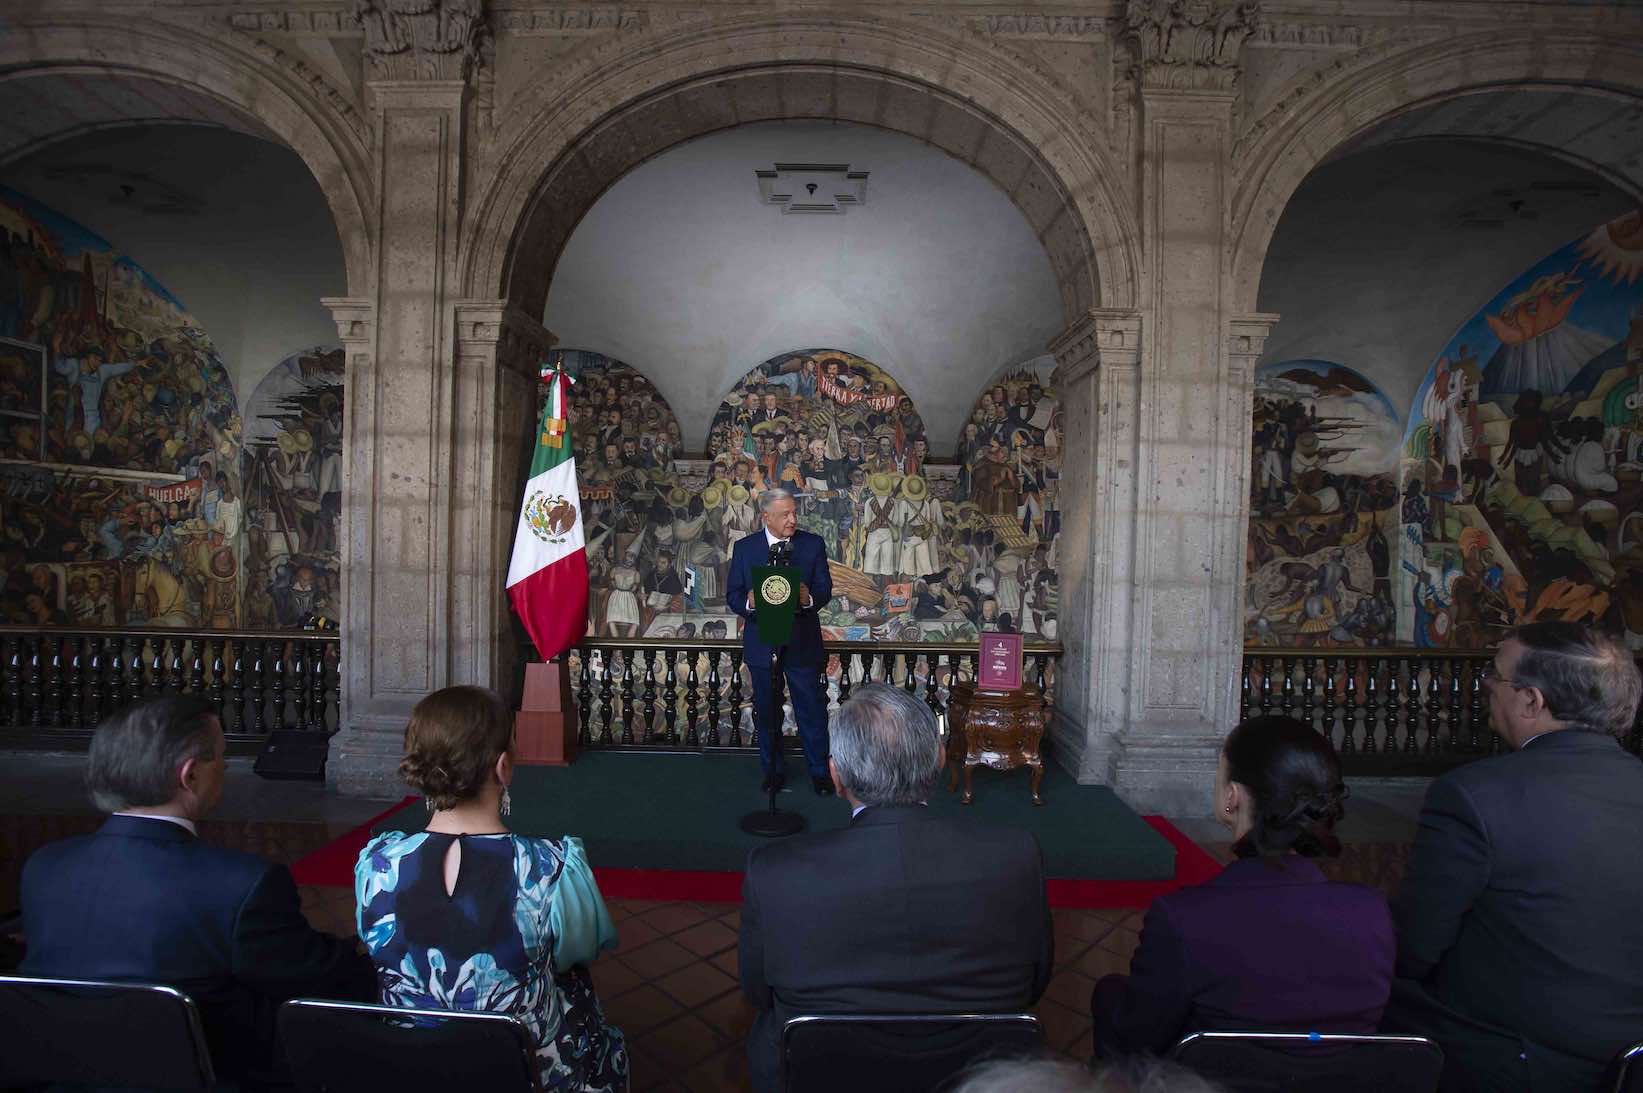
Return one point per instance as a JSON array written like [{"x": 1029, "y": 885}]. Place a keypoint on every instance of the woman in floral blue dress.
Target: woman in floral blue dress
[{"x": 466, "y": 915}]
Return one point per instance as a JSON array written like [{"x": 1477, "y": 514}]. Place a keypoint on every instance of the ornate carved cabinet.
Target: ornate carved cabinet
[{"x": 997, "y": 729}]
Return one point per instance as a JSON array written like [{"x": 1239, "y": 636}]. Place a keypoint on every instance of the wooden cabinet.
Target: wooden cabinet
[{"x": 997, "y": 729}]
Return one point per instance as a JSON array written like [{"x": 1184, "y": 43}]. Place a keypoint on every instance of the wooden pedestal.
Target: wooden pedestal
[
  {"x": 997, "y": 729},
  {"x": 545, "y": 726}
]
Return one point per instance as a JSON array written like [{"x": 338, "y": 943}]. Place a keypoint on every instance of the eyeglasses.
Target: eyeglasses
[{"x": 1491, "y": 674}]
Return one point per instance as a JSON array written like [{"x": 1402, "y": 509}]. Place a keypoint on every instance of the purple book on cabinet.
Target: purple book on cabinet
[{"x": 1000, "y": 662}]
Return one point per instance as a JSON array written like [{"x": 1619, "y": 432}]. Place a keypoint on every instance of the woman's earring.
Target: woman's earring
[
  {"x": 429, "y": 802},
  {"x": 507, "y": 802},
  {"x": 1229, "y": 808}
]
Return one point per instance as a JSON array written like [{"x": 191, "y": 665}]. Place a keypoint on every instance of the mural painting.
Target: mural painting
[
  {"x": 1323, "y": 501},
  {"x": 919, "y": 551},
  {"x": 107, "y": 520},
  {"x": 291, "y": 463},
  {"x": 1523, "y": 458}
]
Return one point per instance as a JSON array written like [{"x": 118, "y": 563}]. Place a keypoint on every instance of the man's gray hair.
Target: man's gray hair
[
  {"x": 136, "y": 753},
  {"x": 1137, "y": 1075},
  {"x": 772, "y": 495},
  {"x": 886, "y": 746},
  {"x": 1588, "y": 679}
]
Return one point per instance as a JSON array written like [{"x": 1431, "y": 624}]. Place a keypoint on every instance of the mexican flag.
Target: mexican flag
[{"x": 548, "y": 578}]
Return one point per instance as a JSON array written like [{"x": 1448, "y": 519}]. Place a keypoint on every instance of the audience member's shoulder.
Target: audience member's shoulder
[{"x": 389, "y": 845}]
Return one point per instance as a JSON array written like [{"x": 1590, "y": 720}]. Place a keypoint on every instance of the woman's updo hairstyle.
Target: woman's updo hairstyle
[
  {"x": 453, "y": 742},
  {"x": 1294, "y": 775}
]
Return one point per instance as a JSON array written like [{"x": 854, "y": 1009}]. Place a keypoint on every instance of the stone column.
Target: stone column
[
  {"x": 1156, "y": 627},
  {"x": 412, "y": 404}
]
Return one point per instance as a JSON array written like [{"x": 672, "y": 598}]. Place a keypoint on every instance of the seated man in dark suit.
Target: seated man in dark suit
[
  {"x": 902, "y": 911},
  {"x": 144, "y": 900},
  {"x": 1520, "y": 943}
]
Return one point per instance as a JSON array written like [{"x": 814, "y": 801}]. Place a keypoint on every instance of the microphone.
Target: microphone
[{"x": 780, "y": 553}]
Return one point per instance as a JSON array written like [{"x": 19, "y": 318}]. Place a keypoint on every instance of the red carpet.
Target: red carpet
[{"x": 332, "y": 865}]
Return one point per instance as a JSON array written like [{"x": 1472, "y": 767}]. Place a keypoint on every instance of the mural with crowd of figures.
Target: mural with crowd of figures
[
  {"x": 1323, "y": 508},
  {"x": 291, "y": 463},
  {"x": 134, "y": 495},
  {"x": 918, "y": 550},
  {"x": 118, "y": 423},
  {"x": 1523, "y": 457}
]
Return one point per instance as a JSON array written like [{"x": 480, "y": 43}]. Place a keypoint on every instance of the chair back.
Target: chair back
[
  {"x": 95, "y": 1033},
  {"x": 1628, "y": 1070},
  {"x": 342, "y": 1047},
  {"x": 897, "y": 1053},
  {"x": 1301, "y": 1062}
]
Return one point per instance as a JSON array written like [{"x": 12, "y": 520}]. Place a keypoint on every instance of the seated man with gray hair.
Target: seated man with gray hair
[
  {"x": 1520, "y": 943},
  {"x": 144, "y": 900},
  {"x": 903, "y": 911}
]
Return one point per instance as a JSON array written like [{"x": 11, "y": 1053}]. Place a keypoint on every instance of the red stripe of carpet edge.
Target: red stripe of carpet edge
[{"x": 332, "y": 865}]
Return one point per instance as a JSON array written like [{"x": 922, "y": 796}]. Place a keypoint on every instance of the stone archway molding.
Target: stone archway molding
[
  {"x": 575, "y": 134},
  {"x": 314, "y": 121},
  {"x": 1282, "y": 147}
]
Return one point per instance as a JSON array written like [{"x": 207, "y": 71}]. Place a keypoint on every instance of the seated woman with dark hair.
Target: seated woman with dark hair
[
  {"x": 1269, "y": 944},
  {"x": 466, "y": 915}
]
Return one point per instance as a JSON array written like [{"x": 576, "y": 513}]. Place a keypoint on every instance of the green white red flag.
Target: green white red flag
[{"x": 548, "y": 577}]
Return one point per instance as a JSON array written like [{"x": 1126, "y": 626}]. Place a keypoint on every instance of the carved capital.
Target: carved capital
[
  {"x": 1194, "y": 45},
  {"x": 1101, "y": 338},
  {"x": 355, "y": 318},
  {"x": 1246, "y": 340},
  {"x": 422, "y": 39},
  {"x": 499, "y": 331}
]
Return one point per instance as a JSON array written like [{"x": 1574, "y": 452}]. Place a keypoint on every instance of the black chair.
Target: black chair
[
  {"x": 1628, "y": 1070},
  {"x": 897, "y": 1053},
  {"x": 347, "y": 1047},
  {"x": 1303, "y": 1062},
  {"x": 93, "y": 1033}
]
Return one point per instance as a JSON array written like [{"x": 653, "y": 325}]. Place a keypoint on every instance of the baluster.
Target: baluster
[
  {"x": 36, "y": 688},
  {"x": 692, "y": 697},
  {"x": 1309, "y": 698},
  {"x": 239, "y": 685},
  {"x": 1413, "y": 707},
  {"x": 320, "y": 685},
  {"x": 1045, "y": 681},
  {"x": 196, "y": 665},
  {"x": 1246, "y": 689},
  {"x": 14, "y": 681},
  {"x": 1349, "y": 709},
  {"x": 1394, "y": 705},
  {"x": 1475, "y": 715},
  {"x": 54, "y": 682},
  {"x": 74, "y": 715},
  {"x": 932, "y": 685},
  {"x": 605, "y": 710},
  {"x": 277, "y": 664},
  {"x": 584, "y": 700},
  {"x": 1372, "y": 702},
  {"x": 1286, "y": 670},
  {"x": 1456, "y": 667},
  {"x": 736, "y": 698},
  {"x": 155, "y": 658},
  {"x": 299, "y": 683},
  {"x": 259, "y": 686},
  {"x": 1329, "y": 699},
  {"x": 214, "y": 687},
  {"x": 94, "y": 678},
  {"x": 670, "y": 697},
  {"x": 650, "y": 697},
  {"x": 713, "y": 682},
  {"x": 1266, "y": 685},
  {"x": 846, "y": 662},
  {"x": 1434, "y": 703},
  {"x": 114, "y": 669},
  {"x": 630, "y": 704},
  {"x": 134, "y": 672},
  {"x": 974, "y": 660}
]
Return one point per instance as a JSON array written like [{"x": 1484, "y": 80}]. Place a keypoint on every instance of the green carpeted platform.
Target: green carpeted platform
[{"x": 647, "y": 811}]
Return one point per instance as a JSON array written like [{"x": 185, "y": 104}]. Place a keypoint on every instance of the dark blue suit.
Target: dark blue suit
[
  {"x": 1269, "y": 944},
  {"x": 143, "y": 900},
  {"x": 805, "y": 657}
]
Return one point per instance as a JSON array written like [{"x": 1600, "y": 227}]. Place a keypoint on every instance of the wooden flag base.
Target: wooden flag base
[{"x": 545, "y": 726}]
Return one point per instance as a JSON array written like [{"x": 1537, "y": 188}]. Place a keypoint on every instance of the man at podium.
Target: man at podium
[{"x": 780, "y": 542}]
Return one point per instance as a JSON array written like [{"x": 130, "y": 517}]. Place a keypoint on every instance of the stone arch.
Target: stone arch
[
  {"x": 576, "y": 134},
  {"x": 276, "y": 94},
  {"x": 1278, "y": 150}
]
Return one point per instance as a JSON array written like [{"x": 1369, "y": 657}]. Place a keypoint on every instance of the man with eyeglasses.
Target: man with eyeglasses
[{"x": 1520, "y": 937}]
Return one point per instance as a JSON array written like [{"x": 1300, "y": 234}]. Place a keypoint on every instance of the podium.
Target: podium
[{"x": 545, "y": 725}]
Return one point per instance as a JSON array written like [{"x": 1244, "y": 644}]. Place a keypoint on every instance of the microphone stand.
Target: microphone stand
[{"x": 775, "y": 823}]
